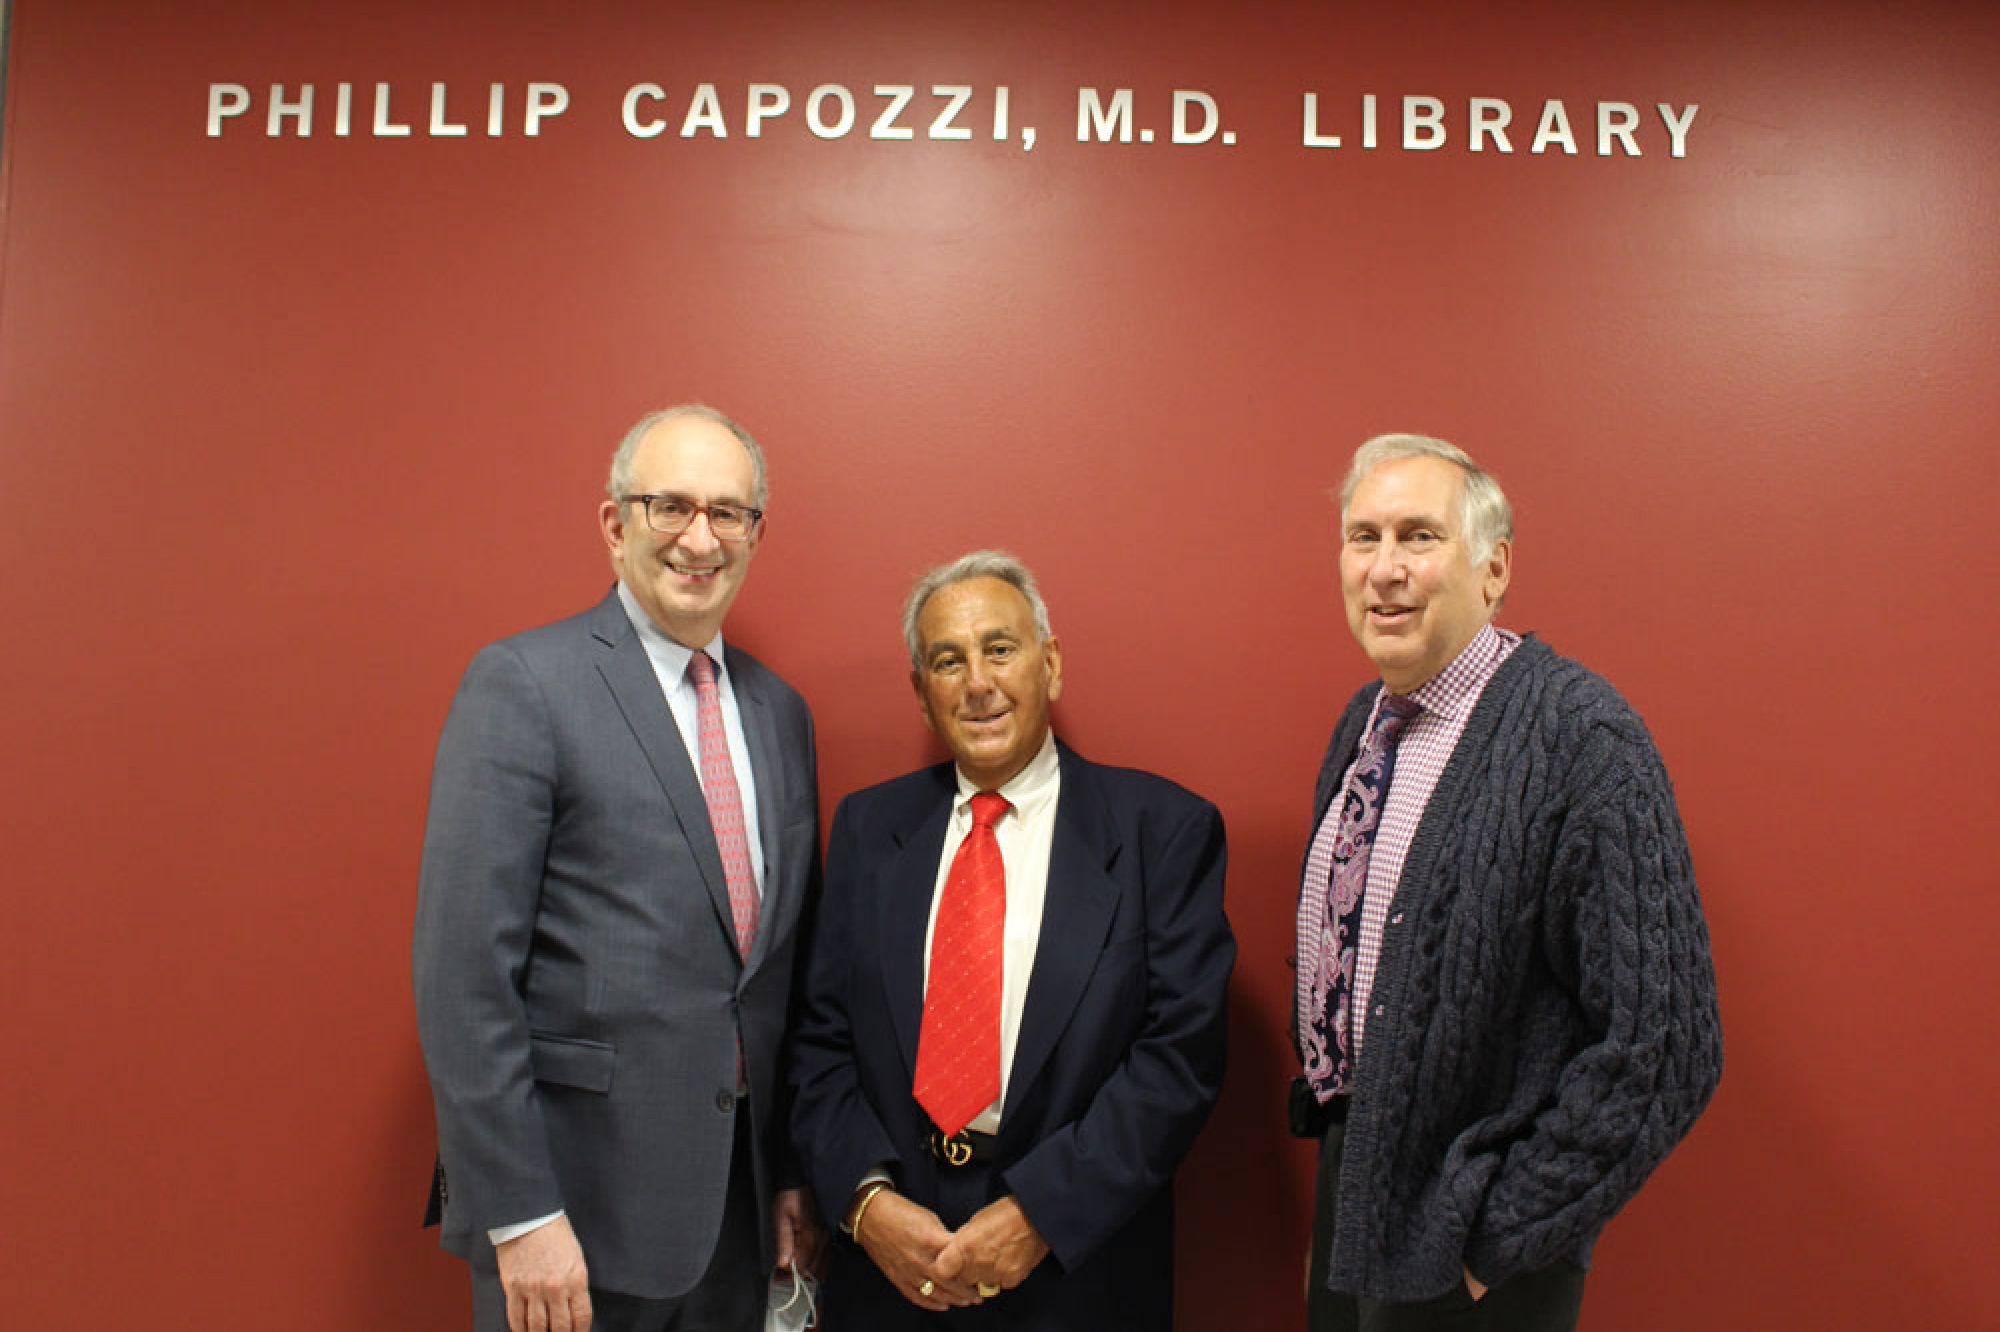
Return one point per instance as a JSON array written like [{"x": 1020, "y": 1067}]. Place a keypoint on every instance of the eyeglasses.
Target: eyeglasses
[{"x": 674, "y": 514}]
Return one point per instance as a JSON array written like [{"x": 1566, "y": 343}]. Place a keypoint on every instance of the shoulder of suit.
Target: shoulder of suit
[
  {"x": 1128, "y": 784},
  {"x": 923, "y": 786},
  {"x": 548, "y": 645},
  {"x": 897, "y": 806}
]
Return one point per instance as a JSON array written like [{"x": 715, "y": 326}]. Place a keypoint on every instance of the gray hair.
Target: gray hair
[
  {"x": 978, "y": 564},
  {"x": 1484, "y": 515},
  {"x": 620, "y": 483}
]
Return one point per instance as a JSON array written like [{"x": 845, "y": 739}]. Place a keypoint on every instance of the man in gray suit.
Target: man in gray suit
[{"x": 623, "y": 833}]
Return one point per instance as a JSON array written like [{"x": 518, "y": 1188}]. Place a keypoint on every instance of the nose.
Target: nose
[
  {"x": 1387, "y": 566},
  {"x": 699, "y": 536}
]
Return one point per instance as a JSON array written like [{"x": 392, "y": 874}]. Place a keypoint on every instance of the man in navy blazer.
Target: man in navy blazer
[
  {"x": 1052, "y": 1208},
  {"x": 604, "y": 966}
]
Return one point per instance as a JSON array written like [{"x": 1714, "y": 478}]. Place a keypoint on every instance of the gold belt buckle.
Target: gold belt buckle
[{"x": 953, "y": 1151}]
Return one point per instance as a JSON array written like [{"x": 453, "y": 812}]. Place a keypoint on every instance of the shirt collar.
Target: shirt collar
[
  {"x": 1454, "y": 689},
  {"x": 670, "y": 659},
  {"x": 1027, "y": 790}
]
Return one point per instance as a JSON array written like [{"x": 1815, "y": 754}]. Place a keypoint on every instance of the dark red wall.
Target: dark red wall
[{"x": 289, "y": 427}]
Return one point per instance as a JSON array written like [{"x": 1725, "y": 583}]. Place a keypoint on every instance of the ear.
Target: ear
[
  {"x": 611, "y": 521},
  {"x": 923, "y": 703},
  {"x": 1052, "y": 665},
  {"x": 1499, "y": 569}
]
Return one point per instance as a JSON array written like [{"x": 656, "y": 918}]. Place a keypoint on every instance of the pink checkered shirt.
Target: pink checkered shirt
[{"x": 1427, "y": 742}]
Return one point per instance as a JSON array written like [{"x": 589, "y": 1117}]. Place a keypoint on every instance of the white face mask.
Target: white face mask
[{"x": 794, "y": 1302}]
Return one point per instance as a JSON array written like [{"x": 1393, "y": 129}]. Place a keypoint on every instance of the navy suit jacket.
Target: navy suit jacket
[
  {"x": 579, "y": 993},
  {"x": 1119, "y": 1056}
]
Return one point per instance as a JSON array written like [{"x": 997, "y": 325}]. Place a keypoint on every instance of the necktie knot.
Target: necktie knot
[
  {"x": 701, "y": 670},
  {"x": 1397, "y": 711},
  {"x": 987, "y": 807}
]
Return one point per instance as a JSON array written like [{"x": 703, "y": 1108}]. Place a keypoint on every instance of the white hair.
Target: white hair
[
  {"x": 620, "y": 484},
  {"x": 1485, "y": 518},
  {"x": 977, "y": 564}
]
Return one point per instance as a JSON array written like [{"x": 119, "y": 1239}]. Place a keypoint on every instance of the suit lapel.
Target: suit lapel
[
  {"x": 909, "y": 881},
  {"x": 1077, "y": 908},
  {"x": 636, "y": 688}
]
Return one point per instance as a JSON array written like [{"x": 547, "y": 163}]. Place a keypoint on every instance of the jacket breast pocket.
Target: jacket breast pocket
[{"x": 571, "y": 1061}]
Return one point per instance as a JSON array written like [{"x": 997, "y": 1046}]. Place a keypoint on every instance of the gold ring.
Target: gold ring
[
  {"x": 926, "y": 1289},
  {"x": 987, "y": 1290}
]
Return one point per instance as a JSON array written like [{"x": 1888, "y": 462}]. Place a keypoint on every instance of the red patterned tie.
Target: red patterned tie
[
  {"x": 725, "y": 802},
  {"x": 958, "y": 1050}
]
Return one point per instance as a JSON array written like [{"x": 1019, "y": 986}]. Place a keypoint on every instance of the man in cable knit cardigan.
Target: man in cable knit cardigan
[{"x": 1506, "y": 1009}]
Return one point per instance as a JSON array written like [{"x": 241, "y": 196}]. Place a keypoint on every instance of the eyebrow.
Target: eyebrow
[
  {"x": 1407, "y": 520},
  {"x": 987, "y": 639},
  {"x": 686, "y": 498}
]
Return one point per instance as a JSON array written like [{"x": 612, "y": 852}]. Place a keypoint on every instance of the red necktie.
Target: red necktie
[
  {"x": 725, "y": 802},
  {"x": 958, "y": 1049}
]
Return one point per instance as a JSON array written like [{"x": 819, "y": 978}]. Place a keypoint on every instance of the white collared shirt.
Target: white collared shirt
[{"x": 1025, "y": 833}]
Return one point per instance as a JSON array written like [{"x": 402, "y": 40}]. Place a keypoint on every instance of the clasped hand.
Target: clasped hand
[{"x": 936, "y": 1268}]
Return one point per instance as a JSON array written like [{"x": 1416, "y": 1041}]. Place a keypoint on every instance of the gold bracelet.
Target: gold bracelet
[{"x": 861, "y": 1208}]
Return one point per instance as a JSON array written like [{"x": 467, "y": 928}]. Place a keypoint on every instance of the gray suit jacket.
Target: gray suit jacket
[{"x": 579, "y": 994}]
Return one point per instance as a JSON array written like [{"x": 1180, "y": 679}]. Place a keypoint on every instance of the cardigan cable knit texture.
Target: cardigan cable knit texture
[{"x": 1549, "y": 1027}]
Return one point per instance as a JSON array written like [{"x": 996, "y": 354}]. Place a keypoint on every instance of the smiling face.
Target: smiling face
[
  {"x": 1414, "y": 596},
  {"x": 984, "y": 678},
  {"x": 687, "y": 581}
]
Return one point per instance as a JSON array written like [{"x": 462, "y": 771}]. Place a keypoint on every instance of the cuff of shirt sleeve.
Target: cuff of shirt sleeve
[
  {"x": 879, "y": 1175},
  {"x": 501, "y": 1234}
]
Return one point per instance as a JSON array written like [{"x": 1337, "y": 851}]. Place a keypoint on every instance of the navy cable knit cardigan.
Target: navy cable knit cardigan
[{"x": 1549, "y": 1027}]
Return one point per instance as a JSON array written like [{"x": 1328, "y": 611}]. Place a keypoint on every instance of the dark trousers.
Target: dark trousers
[
  {"x": 1548, "y": 1300},
  {"x": 730, "y": 1297}
]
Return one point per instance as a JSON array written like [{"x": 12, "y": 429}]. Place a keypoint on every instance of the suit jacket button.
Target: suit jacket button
[{"x": 725, "y": 1101}]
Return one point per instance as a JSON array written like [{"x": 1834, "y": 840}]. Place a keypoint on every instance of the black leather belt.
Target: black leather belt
[
  {"x": 963, "y": 1148},
  {"x": 1310, "y": 1118}
]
